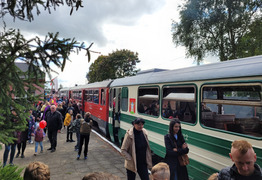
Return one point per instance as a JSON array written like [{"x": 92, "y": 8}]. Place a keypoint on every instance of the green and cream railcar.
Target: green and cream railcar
[{"x": 216, "y": 103}]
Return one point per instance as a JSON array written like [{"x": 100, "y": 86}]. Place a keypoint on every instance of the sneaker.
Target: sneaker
[
  {"x": 67, "y": 140},
  {"x": 85, "y": 157},
  {"x": 72, "y": 140},
  {"x": 49, "y": 148},
  {"x": 11, "y": 164},
  {"x": 41, "y": 151},
  {"x": 53, "y": 150},
  {"x": 22, "y": 156},
  {"x": 76, "y": 149},
  {"x": 78, "y": 156},
  {"x": 35, "y": 154},
  {"x": 17, "y": 155}
]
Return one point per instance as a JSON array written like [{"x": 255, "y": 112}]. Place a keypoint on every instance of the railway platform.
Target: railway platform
[{"x": 102, "y": 156}]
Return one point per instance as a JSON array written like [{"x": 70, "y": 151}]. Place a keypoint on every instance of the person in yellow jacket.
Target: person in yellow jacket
[
  {"x": 67, "y": 122},
  {"x": 136, "y": 151}
]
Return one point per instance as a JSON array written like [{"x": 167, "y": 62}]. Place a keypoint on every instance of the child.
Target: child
[
  {"x": 31, "y": 126},
  {"x": 67, "y": 122},
  {"x": 37, "y": 170},
  {"x": 39, "y": 137},
  {"x": 76, "y": 128}
]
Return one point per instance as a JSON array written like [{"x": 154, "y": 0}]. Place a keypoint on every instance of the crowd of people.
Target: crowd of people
[
  {"x": 135, "y": 147},
  {"x": 57, "y": 113}
]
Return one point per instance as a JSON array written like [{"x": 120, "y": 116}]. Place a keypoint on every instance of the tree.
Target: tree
[
  {"x": 251, "y": 43},
  {"x": 216, "y": 27},
  {"x": 39, "y": 55},
  {"x": 118, "y": 64}
]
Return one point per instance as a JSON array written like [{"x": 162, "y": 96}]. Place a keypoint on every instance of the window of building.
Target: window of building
[
  {"x": 236, "y": 108},
  {"x": 148, "y": 100},
  {"x": 179, "y": 102}
]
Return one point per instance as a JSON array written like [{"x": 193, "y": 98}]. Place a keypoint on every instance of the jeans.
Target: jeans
[
  {"x": 78, "y": 140},
  {"x": 7, "y": 149},
  {"x": 36, "y": 146}
]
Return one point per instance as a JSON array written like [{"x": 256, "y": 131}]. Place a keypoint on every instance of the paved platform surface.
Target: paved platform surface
[{"x": 63, "y": 164}]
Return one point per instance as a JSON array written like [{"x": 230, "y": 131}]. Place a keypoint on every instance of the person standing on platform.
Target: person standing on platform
[
  {"x": 22, "y": 137},
  {"x": 67, "y": 122},
  {"x": 76, "y": 129},
  {"x": 12, "y": 146},
  {"x": 175, "y": 145},
  {"x": 244, "y": 167},
  {"x": 136, "y": 151},
  {"x": 85, "y": 130},
  {"x": 54, "y": 125},
  {"x": 39, "y": 137}
]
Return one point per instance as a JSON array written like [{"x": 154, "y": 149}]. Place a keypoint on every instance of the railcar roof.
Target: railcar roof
[
  {"x": 104, "y": 83},
  {"x": 244, "y": 67}
]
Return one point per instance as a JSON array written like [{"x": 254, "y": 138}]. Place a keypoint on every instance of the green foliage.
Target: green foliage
[
  {"x": 10, "y": 172},
  {"x": 251, "y": 43},
  {"x": 24, "y": 9},
  {"x": 41, "y": 56},
  {"x": 217, "y": 27},
  {"x": 118, "y": 64}
]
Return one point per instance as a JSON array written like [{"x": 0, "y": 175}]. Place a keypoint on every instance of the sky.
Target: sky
[{"x": 142, "y": 26}]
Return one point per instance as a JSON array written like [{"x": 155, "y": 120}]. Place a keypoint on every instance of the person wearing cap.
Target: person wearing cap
[{"x": 136, "y": 151}]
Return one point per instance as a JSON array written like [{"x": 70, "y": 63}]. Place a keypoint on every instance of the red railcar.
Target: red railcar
[{"x": 95, "y": 99}]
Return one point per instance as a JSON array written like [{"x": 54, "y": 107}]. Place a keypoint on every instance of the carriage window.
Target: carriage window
[
  {"x": 179, "y": 102},
  {"x": 89, "y": 95},
  {"x": 148, "y": 101},
  {"x": 96, "y": 96},
  {"x": 236, "y": 108},
  {"x": 77, "y": 95},
  {"x": 124, "y": 99},
  {"x": 103, "y": 97}
]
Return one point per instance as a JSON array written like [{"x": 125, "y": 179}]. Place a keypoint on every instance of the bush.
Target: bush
[{"x": 10, "y": 172}]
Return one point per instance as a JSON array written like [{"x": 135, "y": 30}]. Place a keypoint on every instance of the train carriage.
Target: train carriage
[
  {"x": 216, "y": 103},
  {"x": 95, "y": 100},
  {"x": 65, "y": 93}
]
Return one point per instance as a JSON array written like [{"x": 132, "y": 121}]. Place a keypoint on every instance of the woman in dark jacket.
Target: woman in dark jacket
[{"x": 175, "y": 146}]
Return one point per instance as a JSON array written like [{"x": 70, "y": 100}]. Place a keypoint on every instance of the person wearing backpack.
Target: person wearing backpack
[
  {"x": 39, "y": 137},
  {"x": 85, "y": 129}
]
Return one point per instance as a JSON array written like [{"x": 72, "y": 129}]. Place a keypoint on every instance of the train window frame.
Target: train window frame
[
  {"x": 188, "y": 99},
  {"x": 95, "y": 93},
  {"x": 89, "y": 93},
  {"x": 148, "y": 97},
  {"x": 230, "y": 102},
  {"x": 124, "y": 99},
  {"x": 102, "y": 96}
]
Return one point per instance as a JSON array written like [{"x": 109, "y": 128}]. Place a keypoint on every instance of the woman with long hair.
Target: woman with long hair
[{"x": 175, "y": 147}]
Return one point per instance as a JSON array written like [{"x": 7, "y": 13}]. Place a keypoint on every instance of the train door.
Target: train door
[{"x": 115, "y": 94}]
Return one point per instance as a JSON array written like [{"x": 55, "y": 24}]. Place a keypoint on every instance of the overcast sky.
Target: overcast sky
[{"x": 142, "y": 26}]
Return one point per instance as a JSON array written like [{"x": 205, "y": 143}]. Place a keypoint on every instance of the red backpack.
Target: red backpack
[{"x": 39, "y": 135}]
